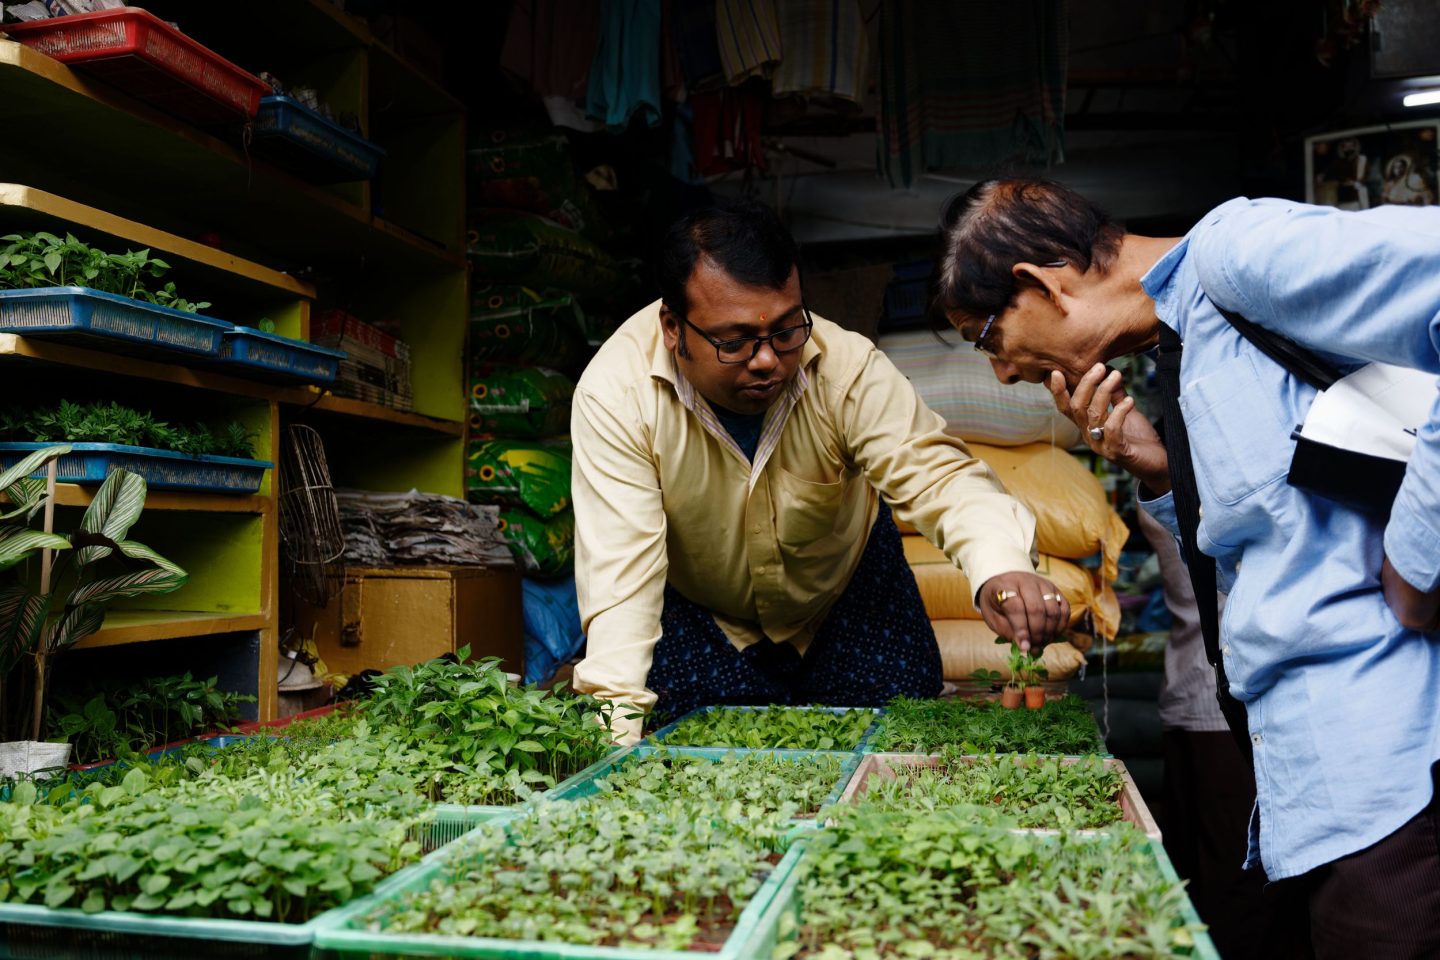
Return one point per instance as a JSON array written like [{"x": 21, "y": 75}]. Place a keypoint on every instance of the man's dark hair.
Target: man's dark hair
[
  {"x": 743, "y": 237},
  {"x": 999, "y": 223}
]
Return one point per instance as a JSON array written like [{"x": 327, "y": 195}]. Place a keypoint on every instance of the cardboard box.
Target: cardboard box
[{"x": 390, "y": 616}]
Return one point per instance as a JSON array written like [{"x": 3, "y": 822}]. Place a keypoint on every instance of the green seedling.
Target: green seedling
[
  {"x": 775, "y": 726},
  {"x": 1064, "y": 726}
]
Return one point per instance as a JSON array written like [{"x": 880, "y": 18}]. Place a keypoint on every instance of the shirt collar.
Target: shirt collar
[{"x": 1157, "y": 280}]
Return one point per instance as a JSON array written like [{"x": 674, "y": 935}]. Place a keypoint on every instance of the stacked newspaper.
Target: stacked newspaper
[
  {"x": 384, "y": 529},
  {"x": 376, "y": 367}
]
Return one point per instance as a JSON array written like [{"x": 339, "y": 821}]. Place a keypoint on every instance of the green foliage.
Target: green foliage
[
  {"x": 1064, "y": 726},
  {"x": 745, "y": 785},
  {"x": 109, "y": 422},
  {"x": 478, "y": 739},
  {"x": 1042, "y": 792},
  {"x": 35, "y": 260},
  {"x": 667, "y": 874},
  {"x": 116, "y": 718},
  {"x": 802, "y": 728},
  {"x": 957, "y": 884}
]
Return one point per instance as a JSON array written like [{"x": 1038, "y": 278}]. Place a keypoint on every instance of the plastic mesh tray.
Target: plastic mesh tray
[
  {"x": 148, "y": 59},
  {"x": 314, "y": 148},
  {"x": 91, "y": 315},
  {"x": 255, "y": 353},
  {"x": 342, "y": 932},
  {"x": 91, "y": 463},
  {"x": 40, "y": 932},
  {"x": 658, "y": 737}
]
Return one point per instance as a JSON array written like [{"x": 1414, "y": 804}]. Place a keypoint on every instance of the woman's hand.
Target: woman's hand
[{"x": 1127, "y": 439}]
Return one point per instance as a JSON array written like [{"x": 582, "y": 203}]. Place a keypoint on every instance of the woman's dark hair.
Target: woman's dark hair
[
  {"x": 743, "y": 237},
  {"x": 999, "y": 223}
]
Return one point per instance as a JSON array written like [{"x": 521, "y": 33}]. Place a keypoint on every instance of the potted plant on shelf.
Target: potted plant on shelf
[{"x": 42, "y": 615}]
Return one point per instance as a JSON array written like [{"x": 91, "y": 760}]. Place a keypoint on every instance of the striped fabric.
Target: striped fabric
[
  {"x": 970, "y": 82},
  {"x": 769, "y": 435},
  {"x": 825, "y": 49},
  {"x": 748, "y": 32}
]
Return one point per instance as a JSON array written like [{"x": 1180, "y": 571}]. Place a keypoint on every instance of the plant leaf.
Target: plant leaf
[
  {"x": 30, "y": 464},
  {"x": 27, "y": 496},
  {"x": 17, "y": 543},
  {"x": 113, "y": 512},
  {"x": 160, "y": 580},
  {"x": 77, "y": 624}
]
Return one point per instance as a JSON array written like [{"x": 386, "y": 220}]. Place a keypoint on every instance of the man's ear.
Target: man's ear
[
  {"x": 1049, "y": 281},
  {"x": 670, "y": 327}
]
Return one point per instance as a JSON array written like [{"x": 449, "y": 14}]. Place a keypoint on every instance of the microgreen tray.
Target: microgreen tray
[
  {"x": 783, "y": 916},
  {"x": 660, "y": 735},
  {"x": 587, "y": 783},
  {"x": 317, "y": 149},
  {"x": 886, "y": 766},
  {"x": 109, "y": 321},
  {"x": 91, "y": 463},
  {"x": 255, "y": 353},
  {"x": 342, "y": 932},
  {"x": 35, "y": 931}
]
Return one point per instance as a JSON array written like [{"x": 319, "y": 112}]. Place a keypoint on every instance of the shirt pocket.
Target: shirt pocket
[
  {"x": 805, "y": 510},
  {"x": 1237, "y": 441}
]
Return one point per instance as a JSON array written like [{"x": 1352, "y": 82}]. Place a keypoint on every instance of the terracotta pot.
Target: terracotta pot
[
  {"x": 1011, "y": 698},
  {"x": 1034, "y": 697}
]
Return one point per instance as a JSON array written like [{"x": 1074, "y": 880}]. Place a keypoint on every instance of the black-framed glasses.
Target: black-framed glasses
[
  {"x": 981, "y": 344},
  {"x": 744, "y": 349}
]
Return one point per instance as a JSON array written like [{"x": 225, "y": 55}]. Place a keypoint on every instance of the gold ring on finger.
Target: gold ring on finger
[{"x": 1002, "y": 595}]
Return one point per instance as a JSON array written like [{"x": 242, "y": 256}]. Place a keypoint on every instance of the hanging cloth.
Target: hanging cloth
[
  {"x": 727, "y": 127},
  {"x": 826, "y": 53},
  {"x": 548, "y": 44},
  {"x": 748, "y": 33},
  {"x": 692, "y": 29},
  {"x": 625, "y": 72},
  {"x": 970, "y": 82}
]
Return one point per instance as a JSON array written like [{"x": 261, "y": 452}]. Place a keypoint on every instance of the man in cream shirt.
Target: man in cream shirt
[{"x": 731, "y": 451}]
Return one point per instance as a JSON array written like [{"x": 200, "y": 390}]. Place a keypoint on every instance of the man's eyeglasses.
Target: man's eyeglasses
[{"x": 744, "y": 349}]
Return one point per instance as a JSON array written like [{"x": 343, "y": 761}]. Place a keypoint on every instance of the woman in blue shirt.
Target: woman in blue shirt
[{"x": 1329, "y": 635}]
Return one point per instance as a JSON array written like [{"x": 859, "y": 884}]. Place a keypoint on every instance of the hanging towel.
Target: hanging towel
[
  {"x": 825, "y": 49},
  {"x": 549, "y": 43},
  {"x": 970, "y": 82},
  {"x": 625, "y": 72},
  {"x": 748, "y": 32},
  {"x": 727, "y": 127}
]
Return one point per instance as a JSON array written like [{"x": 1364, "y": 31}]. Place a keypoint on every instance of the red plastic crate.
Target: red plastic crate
[{"x": 140, "y": 54}]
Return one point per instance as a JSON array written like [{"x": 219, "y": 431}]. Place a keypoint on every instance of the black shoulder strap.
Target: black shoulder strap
[
  {"x": 1304, "y": 365},
  {"x": 1187, "y": 512}
]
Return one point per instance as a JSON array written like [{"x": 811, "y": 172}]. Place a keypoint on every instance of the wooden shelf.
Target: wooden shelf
[
  {"x": 374, "y": 411},
  {"x": 74, "y": 495},
  {"x": 141, "y": 626},
  {"x": 255, "y": 207}
]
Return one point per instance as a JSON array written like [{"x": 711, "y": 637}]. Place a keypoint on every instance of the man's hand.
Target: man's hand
[
  {"x": 1025, "y": 608},
  {"x": 1127, "y": 438},
  {"x": 1414, "y": 608}
]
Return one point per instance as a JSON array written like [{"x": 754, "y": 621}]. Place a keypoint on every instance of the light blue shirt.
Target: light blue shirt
[{"x": 1343, "y": 702}]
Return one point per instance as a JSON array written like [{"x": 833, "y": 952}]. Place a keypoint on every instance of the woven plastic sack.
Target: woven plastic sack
[
  {"x": 969, "y": 645},
  {"x": 519, "y": 473},
  {"x": 526, "y": 249},
  {"x": 948, "y": 595},
  {"x": 524, "y": 170},
  {"x": 512, "y": 324},
  {"x": 958, "y": 383},
  {"x": 509, "y": 400},
  {"x": 544, "y": 546}
]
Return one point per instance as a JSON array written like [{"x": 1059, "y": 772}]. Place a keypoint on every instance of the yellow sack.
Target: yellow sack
[
  {"x": 1072, "y": 517},
  {"x": 947, "y": 594},
  {"x": 969, "y": 645}
]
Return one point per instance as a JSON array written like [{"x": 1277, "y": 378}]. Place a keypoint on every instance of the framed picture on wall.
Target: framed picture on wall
[{"x": 1370, "y": 166}]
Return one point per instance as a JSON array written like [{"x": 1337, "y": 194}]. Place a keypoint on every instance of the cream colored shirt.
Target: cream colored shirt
[{"x": 662, "y": 492}]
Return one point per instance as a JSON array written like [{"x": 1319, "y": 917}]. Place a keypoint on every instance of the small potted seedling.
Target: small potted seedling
[
  {"x": 1026, "y": 671},
  {"x": 1035, "y": 672}
]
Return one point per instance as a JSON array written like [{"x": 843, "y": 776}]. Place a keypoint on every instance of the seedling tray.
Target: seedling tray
[
  {"x": 90, "y": 463},
  {"x": 887, "y": 766},
  {"x": 317, "y": 149},
  {"x": 34, "y": 931},
  {"x": 148, "y": 59},
  {"x": 784, "y": 914},
  {"x": 94, "y": 318},
  {"x": 658, "y": 737},
  {"x": 254, "y": 353},
  {"x": 578, "y": 789},
  {"x": 343, "y": 931}
]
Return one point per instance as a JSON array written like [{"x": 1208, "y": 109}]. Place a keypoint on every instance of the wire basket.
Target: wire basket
[{"x": 310, "y": 528}]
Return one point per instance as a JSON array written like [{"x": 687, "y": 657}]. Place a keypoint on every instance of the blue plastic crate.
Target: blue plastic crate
[
  {"x": 91, "y": 463},
  {"x": 273, "y": 357},
  {"x": 82, "y": 313},
  {"x": 319, "y": 150}
]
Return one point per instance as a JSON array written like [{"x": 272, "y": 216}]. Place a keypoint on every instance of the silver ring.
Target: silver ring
[
  {"x": 1050, "y": 596},
  {"x": 1097, "y": 433}
]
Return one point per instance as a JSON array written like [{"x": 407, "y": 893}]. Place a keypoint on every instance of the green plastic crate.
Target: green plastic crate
[
  {"x": 342, "y": 931},
  {"x": 577, "y": 789},
  {"x": 40, "y": 933},
  {"x": 782, "y": 918}
]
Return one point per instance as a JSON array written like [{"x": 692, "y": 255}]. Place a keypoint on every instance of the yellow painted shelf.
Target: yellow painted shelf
[
  {"x": 140, "y": 626},
  {"x": 74, "y": 495}
]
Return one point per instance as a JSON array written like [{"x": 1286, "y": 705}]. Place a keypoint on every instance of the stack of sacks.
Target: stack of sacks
[{"x": 1073, "y": 524}]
